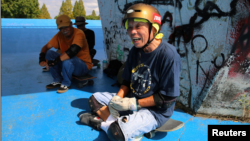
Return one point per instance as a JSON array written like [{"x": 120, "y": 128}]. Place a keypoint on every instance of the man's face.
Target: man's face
[
  {"x": 81, "y": 26},
  {"x": 66, "y": 30},
  {"x": 138, "y": 32}
]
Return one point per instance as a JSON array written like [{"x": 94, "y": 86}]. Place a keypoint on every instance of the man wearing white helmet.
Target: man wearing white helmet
[{"x": 147, "y": 96}]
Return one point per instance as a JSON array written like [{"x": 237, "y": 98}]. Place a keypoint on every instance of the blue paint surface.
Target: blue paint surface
[
  {"x": 30, "y": 112},
  {"x": 45, "y": 23}
]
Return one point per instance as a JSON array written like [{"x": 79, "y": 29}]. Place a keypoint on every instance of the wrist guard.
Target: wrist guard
[
  {"x": 54, "y": 62},
  {"x": 42, "y": 57}
]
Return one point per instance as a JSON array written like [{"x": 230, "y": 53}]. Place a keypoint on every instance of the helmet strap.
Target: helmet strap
[{"x": 149, "y": 41}]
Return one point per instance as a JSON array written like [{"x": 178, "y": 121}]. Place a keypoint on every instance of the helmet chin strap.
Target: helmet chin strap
[{"x": 149, "y": 41}]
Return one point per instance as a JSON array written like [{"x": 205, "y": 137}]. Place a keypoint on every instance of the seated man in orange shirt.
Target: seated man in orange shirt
[{"x": 75, "y": 58}]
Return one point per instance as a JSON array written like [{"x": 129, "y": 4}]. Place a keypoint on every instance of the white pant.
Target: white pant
[{"x": 138, "y": 123}]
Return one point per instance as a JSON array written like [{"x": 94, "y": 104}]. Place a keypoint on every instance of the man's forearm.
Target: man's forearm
[
  {"x": 147, "y": 102},
  {"x": 64, "y": 57},
  {"x": 44, "y": 49},
  {"x": 124, "y": 90}
]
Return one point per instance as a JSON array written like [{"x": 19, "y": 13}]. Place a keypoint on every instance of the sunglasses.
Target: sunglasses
[{"x": 62, "y": 28}]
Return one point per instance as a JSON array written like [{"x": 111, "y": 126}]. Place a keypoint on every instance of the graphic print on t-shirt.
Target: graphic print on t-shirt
[{"x": 141, "y": 79}]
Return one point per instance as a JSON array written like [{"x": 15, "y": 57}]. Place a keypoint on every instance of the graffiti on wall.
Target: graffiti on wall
[
  {"x": 157, "y": 2},
  {"x": 112, "y": 34},
  {"x": 233, "y": 81},
  {"x": 239, "y": 60},
  {"x": 186, "y": 32}
]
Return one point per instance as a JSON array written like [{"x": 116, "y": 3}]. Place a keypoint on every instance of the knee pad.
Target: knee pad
[
  {"x": 115, "y": 133},
  {"x": 94, "y": 104}
]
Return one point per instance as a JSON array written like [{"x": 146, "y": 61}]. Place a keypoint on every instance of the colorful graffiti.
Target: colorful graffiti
[
  {"x": 239, "y": 61},
  {"x": 157, "y": 2}
]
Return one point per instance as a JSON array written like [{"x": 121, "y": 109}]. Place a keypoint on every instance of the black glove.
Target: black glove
[
  {"x": 54, "y": 62},
  {"x": 42, "y": 57}
]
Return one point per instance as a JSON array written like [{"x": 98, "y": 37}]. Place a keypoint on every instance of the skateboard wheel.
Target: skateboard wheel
[
  {"x": 80, "y": 85},
  {"x": 91, "y": 82},
  {"x": 150, "y": 134}
]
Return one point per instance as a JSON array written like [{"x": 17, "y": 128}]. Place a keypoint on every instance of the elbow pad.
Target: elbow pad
[
  {"x": 163, "y": 102},
  {"x": 73, "y": 50}
]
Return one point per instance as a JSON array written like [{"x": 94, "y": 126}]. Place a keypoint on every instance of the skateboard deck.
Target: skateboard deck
[
  {"x": 170, "y": 125},
  {"x": 82, "y": 80},
  {"x": 95, "y": 62}
]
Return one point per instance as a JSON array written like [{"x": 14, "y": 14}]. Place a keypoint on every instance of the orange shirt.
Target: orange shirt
[{"x": 78, "y": 38}]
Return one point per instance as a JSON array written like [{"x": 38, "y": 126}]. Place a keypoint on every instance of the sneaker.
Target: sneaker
[
  {"x": 85, "y": 82},
  {"x": 91, "y": 120},
  {"x": 45, "y": 69},
  {"x": 62, "y": 89},
  {"x": 53, "y": 85}
]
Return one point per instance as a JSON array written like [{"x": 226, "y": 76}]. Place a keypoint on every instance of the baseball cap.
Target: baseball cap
[
  {"x": 80, "y": 20},
  {"x": 62, "y": 20}
]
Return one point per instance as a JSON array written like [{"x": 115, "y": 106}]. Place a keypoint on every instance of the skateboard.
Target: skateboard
[
  {"x": 95, "y": 62},
  {"x": 170, "y": 125},
  {"x": 88, "y": 77}
]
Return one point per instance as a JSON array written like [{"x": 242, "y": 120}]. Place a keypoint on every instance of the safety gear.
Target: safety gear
[
  {"x": 113, "y": 111},
  {"x": 94, "y": 104},
  {"x": 54, "y": 62},
  {"x": 124, "y": 104},
  {"x": 163, "y": 102},
  {"x": 141, "y": 11},
  {"x": 155, "y": 25},
  {"x": 91, "y": 120},
  {"x": 73, "y": 50},
  {"x": 42, "y": 57},
  {"x": 115, "y": 133}
]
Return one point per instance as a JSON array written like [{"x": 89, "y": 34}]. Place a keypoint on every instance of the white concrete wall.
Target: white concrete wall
[{"x": 208, "y": 35}]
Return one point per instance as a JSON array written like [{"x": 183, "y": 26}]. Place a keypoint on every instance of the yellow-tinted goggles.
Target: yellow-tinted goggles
[{"x": 156, "y": 26}]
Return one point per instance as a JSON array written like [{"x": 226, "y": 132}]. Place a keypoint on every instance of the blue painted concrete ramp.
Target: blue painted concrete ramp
[{"x": 30, "y": 112}]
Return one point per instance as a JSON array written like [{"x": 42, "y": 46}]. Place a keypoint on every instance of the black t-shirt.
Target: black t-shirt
[
  {"x": 159, "y": 71},
  {"x": 90, "y": 36}
]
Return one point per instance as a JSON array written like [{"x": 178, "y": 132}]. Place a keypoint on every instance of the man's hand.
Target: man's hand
[
  {"x": 124, "y": 104},
  {"x": 54, "y": 62},
  {"x": 42, "y": 64},
  {"x": 113, "y": 111}
]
